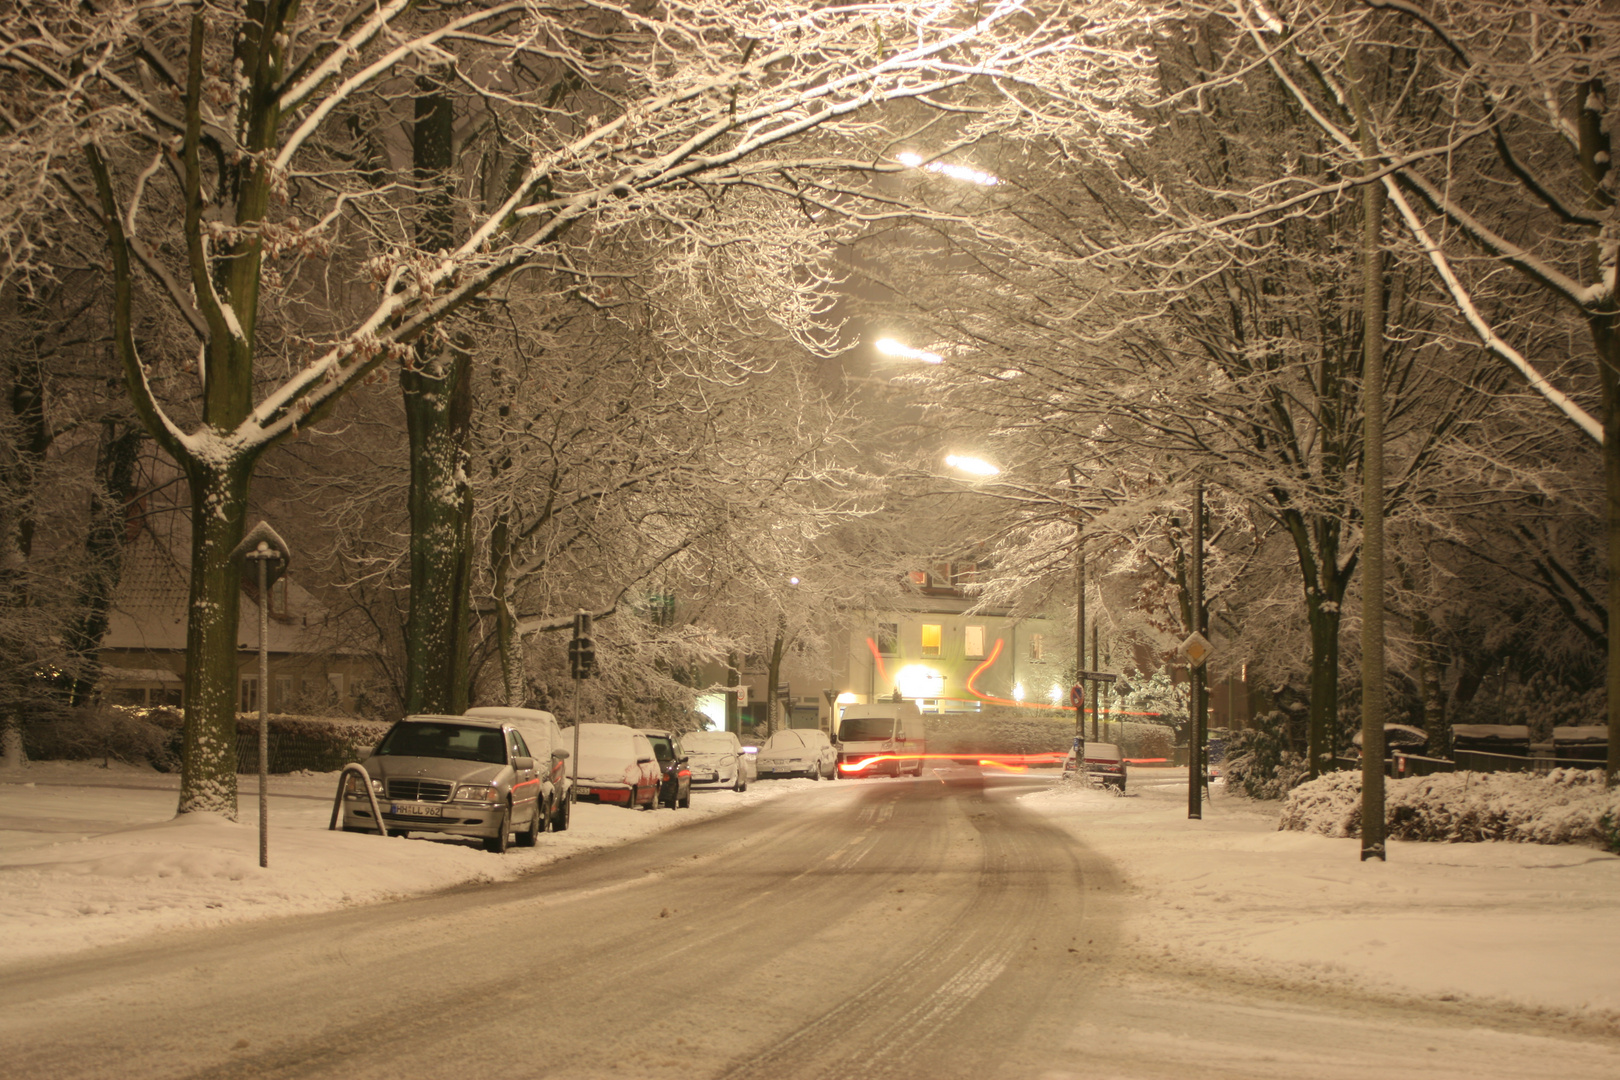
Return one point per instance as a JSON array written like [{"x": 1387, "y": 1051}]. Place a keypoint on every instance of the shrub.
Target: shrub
[
  {"x": 1258, "y": 762},
  {"x": 113, "y": 732},
  {"x": 1566, "y": 806}
]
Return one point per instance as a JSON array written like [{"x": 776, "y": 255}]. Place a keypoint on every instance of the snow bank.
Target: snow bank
[{"x": 1566, "y": 806}]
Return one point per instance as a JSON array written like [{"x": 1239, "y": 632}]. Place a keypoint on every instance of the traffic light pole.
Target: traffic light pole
[{"x": 582, "y": 665}]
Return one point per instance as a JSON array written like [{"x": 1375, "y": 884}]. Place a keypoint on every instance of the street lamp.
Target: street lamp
[
  {"x": 890, "y": 347},
  {"x": 971, "y": 465},
  {"x": 944, "y": 168}
]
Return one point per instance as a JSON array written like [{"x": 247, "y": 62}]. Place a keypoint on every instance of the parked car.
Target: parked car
[
  {"x": 453, "y": 775},
  {"x": 616, "y": 765},
  {"x": 718, "y": 759},
  {"x": 1105, "y": 764},
  {"x": 546, "y": 743},
  {"x": 675, "y": 790},
  {"x": 797, "y": 752}
]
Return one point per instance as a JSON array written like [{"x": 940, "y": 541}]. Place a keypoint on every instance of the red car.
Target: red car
[{"x": 616, "y": 765}]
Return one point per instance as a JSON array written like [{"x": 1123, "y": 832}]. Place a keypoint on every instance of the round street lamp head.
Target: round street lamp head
[
  {"x": 890, "y": 347},
  {"x": 971, "y": 465}
]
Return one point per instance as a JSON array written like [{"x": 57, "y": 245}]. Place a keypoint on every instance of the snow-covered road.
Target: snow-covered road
[{"x": 955, "y": 926}]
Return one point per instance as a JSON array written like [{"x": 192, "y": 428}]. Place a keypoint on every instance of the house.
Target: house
[{"x": 143, "y": 653}]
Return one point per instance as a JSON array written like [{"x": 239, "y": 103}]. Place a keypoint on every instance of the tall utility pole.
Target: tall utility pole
[
  {"x": 1080, "y": 602},
  {"x": 1195, "y": 733},
  {"x": 1372, "y": 507}
]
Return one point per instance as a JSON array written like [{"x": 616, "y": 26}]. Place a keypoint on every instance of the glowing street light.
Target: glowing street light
[
  {"x": 971, "y": 465},
  {"x": 890, "y": 347},
  {"x": 955, "y": 172}
]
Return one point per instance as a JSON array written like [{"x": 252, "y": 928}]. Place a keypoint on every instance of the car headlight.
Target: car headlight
[
  {"x": 484, "y": 793},
  {"x": 354, "y": 787}
]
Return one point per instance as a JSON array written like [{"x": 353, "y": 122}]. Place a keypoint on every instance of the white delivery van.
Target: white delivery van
[{"x": 888, "y": 735}]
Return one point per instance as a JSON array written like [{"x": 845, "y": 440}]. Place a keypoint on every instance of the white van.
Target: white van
[{"x": 891, "y": 732}]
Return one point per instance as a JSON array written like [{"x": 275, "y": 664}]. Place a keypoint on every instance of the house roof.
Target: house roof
[{"x": 149, "y": 606}]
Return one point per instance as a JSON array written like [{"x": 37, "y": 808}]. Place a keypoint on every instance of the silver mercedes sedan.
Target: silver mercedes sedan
[{"x": 453, "y": 775}]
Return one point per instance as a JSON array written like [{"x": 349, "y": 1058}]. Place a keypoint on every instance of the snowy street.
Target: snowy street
[{"x": 958, "y": 925}]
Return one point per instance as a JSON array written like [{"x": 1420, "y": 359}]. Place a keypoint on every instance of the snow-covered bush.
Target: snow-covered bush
[
  {"x": 1566, "y": 806},
  {"x": 1258, "y": 762},
  {"x": 113, "y": 732}
]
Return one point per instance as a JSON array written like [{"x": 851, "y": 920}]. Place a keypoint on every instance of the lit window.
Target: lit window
[
  {"x": 973, "y": 642},
  {"x": 1037, "y": 646},
  {"x": 930, "y": 639}
]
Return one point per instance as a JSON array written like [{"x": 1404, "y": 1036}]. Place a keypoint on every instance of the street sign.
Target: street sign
[
  {"x": 1099, "y": 676},
  {"x": 1196, "y": 649},
  {"x": 1077, "y": 695}
]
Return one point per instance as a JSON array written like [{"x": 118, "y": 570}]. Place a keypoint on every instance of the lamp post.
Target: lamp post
[{"x": 263, "y": 547}]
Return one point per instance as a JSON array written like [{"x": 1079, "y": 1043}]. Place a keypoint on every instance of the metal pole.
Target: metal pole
[
  {"x": 1195, "y": 734},
  {"x": 263, "y": 557},
  {"x": 1096, "y": 689}
]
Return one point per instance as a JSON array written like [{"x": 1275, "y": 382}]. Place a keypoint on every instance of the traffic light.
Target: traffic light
[
  {"x": 582, "y": 650},
  {"x": 582, "y": 657}
]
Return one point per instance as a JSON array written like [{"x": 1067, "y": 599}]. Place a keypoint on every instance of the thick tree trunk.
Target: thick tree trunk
[
  {"x": 438, "y": 412},
  {"x": 218, "y": 514},
  {"x": 1323, "y": 729}
]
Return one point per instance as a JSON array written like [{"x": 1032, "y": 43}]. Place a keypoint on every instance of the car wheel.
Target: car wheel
[
  {"x": 497, "y": 844},
  {"x": 527, "y": 839},
  {"x": 813, "y": 774},
  {"x": 559, "y": 823}
]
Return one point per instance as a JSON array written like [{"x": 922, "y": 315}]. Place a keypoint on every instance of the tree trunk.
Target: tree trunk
[
  {"x": 1322, "y": 732},
  {"x": 507, "y": 640},
  {"x": 437, "y": 384},
  {"x": 104, "y": 550},
  {"x": 438, "y": 413},
  {"x": 773, "y": 676},
  {"x": 219, "y": 508}
]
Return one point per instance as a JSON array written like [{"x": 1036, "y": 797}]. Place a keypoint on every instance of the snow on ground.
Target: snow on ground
[
  {"x": 1537, "y": 925},
  {"x": 92, "y": 856}
]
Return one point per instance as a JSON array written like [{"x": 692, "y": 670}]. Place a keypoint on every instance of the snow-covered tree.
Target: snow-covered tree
[{"x": 241, "y": 159}]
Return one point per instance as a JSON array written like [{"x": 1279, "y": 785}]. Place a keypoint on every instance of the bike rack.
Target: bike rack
[{"x": 359, "y": 770}]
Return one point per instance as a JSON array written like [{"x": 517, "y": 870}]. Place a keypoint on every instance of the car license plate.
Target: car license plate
[{"x": 413, "y": 810}]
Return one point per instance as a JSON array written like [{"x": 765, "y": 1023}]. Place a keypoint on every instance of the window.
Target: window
[
  {"x": 336, "y": 682},
  {"x": 283, "y": 701},
  {"x": 930, "y": 639},
  {"x": 1037, "y": 646},
  {"x": 973, "y": 642},
  {"x": 249, "y": 702},
  {"x": 888, "y": 638}
]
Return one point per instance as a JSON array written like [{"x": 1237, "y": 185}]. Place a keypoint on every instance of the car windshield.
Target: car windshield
[
  {"x": 707, "y": 742},
  {"x": 784, "y": 740},
  {"x": 464, "y": 742},
  {"x": 866, "y": 728},
  {"x": 1105, "y": 751}
]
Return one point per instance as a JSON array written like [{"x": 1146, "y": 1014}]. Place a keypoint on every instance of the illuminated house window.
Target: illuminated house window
[
  {"x": 1037, "y": 646},
  {"x": 973, "y": 642},
  {"x": 930, "y": 639}
]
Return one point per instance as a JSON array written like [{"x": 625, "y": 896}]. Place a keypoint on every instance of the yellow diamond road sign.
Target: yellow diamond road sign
[{"x": 1196, "y": 648}]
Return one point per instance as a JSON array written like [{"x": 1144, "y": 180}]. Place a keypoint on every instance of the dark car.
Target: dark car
[
  {"x": 676, "y": 788},
  {"x": 1104, "y": 763}
]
